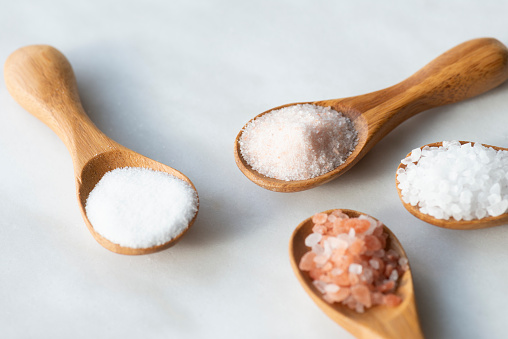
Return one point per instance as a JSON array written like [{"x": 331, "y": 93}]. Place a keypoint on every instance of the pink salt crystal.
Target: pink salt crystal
[
  {"x": 332, "y": 288},
  {"x": 372, "y": 243},
  {"x": 339, "y": 214},
  {"x": 319, "y": 218},
  {"x": 350, "y": 302},
  {"x": 403, "y": 262},
  {"x": 374, "y": 263},
  {"x": 340, "y": 295},
  {"x": 367, "y": 276},
  {"x": 307, "y": 261},
  {"x": 378, "y": 231},
  {"x": 319, "y": 228},
  {"x": 388, "y": 269},
  {"x": 320, "y": 285},
  {"x": 392, "y": 300},
  {"x": 315, "y": 273},
  {"x": 339, "y": 226},
  {"x": 392, "y": 255},
  {"x": 386, "y": 286},
  {"x": 336, "y": 271},
  {"x": 378, "y": 262},
  {"x": 342, "y": 279},
  {"x": 362, "y": 226},
  {"x": 394, "y": 275},
  {"x": 329, "y": 266},
  {"x": 337, "y": 255},
  {"x": 350, "y": 257},
  {"x": 362, "y": 294},
  {"x": 356, "y": 247},
  {"x": 377, "y": 298},
  {"x": 353, "y": 278},
  {"x": 328, "y": 298},
  {"x": 321, "y": 260},
  {"x": 355, "y": 268}
]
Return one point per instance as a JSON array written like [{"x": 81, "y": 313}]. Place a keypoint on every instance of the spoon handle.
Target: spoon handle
[
  {"x": 464, "y": 71},
  {"x": 42, "y": 81}
]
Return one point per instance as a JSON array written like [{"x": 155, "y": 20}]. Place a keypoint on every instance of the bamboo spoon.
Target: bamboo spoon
[
  {"x": 378, "y": 322},
  {"x": 451, "y": 222},
  {"x": 42, "y": 81},
  {"x": 465, "y": 71}
]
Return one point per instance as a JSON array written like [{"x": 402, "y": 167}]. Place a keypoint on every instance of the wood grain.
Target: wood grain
[
  {"x": 378, "y": 322},
  {"x": 42, "y": 81},
  {"x": 451, "y": 223},
  {"x": 463, "y": 72}
]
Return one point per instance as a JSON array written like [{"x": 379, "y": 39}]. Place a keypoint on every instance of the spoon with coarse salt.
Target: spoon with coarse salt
[
  {"x": 455, "y": 184},
  {"x": 465, "y": 71},
  {"x": 376, "y": 322},
  {"x": 42, "y": 81}
]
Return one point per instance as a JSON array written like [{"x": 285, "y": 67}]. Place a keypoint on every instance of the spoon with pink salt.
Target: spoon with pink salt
[
  {"x": 381, "y": 321},
  {"x": 463, "y": 72}
]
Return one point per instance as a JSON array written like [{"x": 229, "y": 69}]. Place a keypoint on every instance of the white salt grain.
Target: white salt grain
[
  {"x": 457, "y": 181},
  {"x": 140, "y": 208},
  {"x": 298, "y": 142}
]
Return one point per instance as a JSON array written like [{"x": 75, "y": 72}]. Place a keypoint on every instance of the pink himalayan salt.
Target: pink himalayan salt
[
  {"x": 298, "y": 142},
  {"x": 352, "y": 266}
]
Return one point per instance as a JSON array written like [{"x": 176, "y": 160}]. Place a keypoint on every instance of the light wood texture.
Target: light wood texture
[
  {"x": 465, "y": 71},
  {"x": 42, "y": 81},
  {"x": 400, "y": 322},
  {"x": 451, "y": 222}
]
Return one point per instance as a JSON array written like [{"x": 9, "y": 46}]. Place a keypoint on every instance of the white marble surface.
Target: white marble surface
[{"x": 175, "y": 81}]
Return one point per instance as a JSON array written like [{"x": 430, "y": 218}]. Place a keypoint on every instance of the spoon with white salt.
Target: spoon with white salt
[
  {"x": 42, "y": 81},
  {"x": 457, "y": 185},
  {"x": 465, "y": 71}
]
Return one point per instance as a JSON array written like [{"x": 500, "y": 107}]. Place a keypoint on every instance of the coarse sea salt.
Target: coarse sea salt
[
  {"x": 463, "y": 182},
  {"x": 356, "y": 271},
  {"x": 298, "y": 142},
  {"x": 139, "y": 207}
]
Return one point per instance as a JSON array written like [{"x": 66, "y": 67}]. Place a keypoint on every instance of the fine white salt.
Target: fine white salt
[
  {"x": 140, "y": 208},
  {"x": 298, "y": 142},
  {"x": 457, "y": 181}
]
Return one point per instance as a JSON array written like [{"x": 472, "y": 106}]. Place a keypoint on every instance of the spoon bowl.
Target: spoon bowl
[
  {"x": 377, "y": 322},
  {"x": 42, "y": 81},
  {"x": 451, "y": 223},
  {"x": 465, "y": 71}
]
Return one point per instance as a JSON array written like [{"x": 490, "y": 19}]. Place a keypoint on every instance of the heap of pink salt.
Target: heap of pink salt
[{"x": 348, "y": 262}]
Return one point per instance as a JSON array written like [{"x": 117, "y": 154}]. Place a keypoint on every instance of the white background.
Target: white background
[{"x": 176, "y": 81}]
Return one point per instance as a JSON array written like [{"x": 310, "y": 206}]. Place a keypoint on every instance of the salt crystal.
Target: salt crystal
[
  {"x": 320, "y": 285},
  {"x": 140, "y": 208},
  {"x": 336, "y": 271},
  {"x": 332, "y": 288},
  {"x": 416, "y": 154},
  {"x": 355, "y": 268},
  {"x": 355, "y": 274},
  {"x": 394, "y": 275},
  {"x": 461, "y": 181},
  {"x": 298, "y": 142},
  {"x": 313, "y": 239}
]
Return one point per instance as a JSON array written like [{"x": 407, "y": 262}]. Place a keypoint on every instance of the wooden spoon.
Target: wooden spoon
[
  {"x": 451, "y": 222},
  {"x": 377, "y": 322},
  {"x": 469, "y": 69},
  {"x": 41, "y": 80}
]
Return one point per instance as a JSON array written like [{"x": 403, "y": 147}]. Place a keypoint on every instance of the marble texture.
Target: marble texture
[{"x": 175, "y": 81}]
